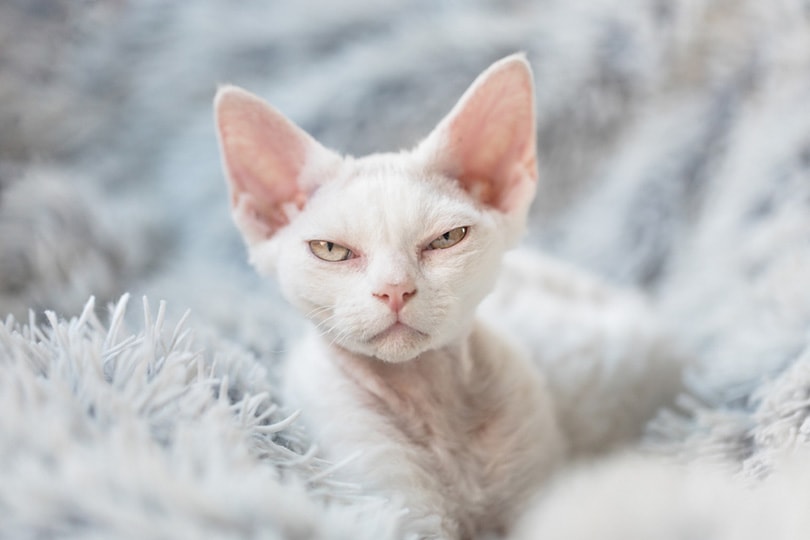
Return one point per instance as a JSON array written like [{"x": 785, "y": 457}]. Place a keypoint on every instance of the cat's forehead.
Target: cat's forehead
[{"x": 387, "y": 198}]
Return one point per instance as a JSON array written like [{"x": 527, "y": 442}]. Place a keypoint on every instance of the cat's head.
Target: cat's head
[{"x": 391, "y": 253}]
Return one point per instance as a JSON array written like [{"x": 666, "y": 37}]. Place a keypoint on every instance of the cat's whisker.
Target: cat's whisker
[
  {"x": 318, "y": 311},
  {"x": 339, "y": 338},
  {"x": 326, "y": 330},
  {"x": 324, "y": 327},
  {"x": 331, "y": 336}
]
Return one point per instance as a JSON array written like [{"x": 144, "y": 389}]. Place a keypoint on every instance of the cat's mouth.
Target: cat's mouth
[
  {"x": 396, "y": 342},
  {"x": 397, "y": 330}
]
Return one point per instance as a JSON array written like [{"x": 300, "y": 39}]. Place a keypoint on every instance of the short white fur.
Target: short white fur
[{"x": 448, "y": 418}]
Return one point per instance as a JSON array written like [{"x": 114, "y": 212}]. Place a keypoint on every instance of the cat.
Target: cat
[{"x": 389, "y": 256}]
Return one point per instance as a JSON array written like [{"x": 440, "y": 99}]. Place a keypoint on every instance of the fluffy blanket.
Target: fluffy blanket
[{"x": 674, "y": 146}]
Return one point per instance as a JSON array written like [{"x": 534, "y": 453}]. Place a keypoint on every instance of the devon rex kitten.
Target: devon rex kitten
[{"x": 389, "y": 255}]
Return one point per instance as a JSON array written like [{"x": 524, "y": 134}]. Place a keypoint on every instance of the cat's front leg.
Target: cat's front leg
[
  {"x": 388, "y": 467},
  {"x": 375, "y": 456}
]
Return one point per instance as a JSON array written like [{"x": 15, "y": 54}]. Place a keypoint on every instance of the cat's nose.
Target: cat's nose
[{"x": 396, "y": 295}]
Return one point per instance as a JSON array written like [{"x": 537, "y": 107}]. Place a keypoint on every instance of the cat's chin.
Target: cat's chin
[{"x": 397, "y": 343}]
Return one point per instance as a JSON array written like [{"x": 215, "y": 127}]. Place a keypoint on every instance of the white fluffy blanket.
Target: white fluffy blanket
[{"x": 674, "y": 142}]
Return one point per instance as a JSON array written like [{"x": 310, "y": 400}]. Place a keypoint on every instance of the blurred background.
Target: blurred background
[{"x": 674, "y": 143}]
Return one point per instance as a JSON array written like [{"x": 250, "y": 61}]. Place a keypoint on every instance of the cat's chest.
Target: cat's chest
[
  {"x": 462, "y": 412},
  {"x": 473, "y": 425}
]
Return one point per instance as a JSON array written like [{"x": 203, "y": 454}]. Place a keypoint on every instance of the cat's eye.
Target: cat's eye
[
  {"x": 449, "y": 239},
  {"x": 329, "y": 251}
]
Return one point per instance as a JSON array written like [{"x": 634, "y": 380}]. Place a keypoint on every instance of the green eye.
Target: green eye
[
  {"x": 329, "y": 251},
  {"x": 449, "y": 239}
]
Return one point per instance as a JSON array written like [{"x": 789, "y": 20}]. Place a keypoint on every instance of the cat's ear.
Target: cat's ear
[
  {"x": 487, "y": 141},
  {"x": 272, "y": 165}
]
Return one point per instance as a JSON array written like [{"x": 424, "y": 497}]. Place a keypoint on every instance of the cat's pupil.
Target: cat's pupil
[
  {"x": 330, "y": 245},
  {"x": 446, "y": 235}
]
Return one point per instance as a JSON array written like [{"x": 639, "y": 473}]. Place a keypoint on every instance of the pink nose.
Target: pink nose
[{"x": 396, "y": 295}]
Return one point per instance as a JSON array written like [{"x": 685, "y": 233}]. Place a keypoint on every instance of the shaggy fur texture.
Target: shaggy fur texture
[{"x": 116, "y": 434}]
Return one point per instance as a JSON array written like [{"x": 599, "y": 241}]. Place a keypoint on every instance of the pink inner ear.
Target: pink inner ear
[
  {"x": 264, "y": 155},
  {"x": 490, "y": 136}
]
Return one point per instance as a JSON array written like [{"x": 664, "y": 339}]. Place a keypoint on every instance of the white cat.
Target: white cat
[{"x": 389, "y": 255}]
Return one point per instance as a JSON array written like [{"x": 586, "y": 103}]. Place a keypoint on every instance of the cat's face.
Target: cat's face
[
  {"x": 388, "y": 255},
  {"x": 411, "y": 256}
]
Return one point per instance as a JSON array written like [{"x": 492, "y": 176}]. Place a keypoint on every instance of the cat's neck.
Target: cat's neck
[
  {"x": 431, "y": 372},
  {"x": 446, "y": 392}
]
